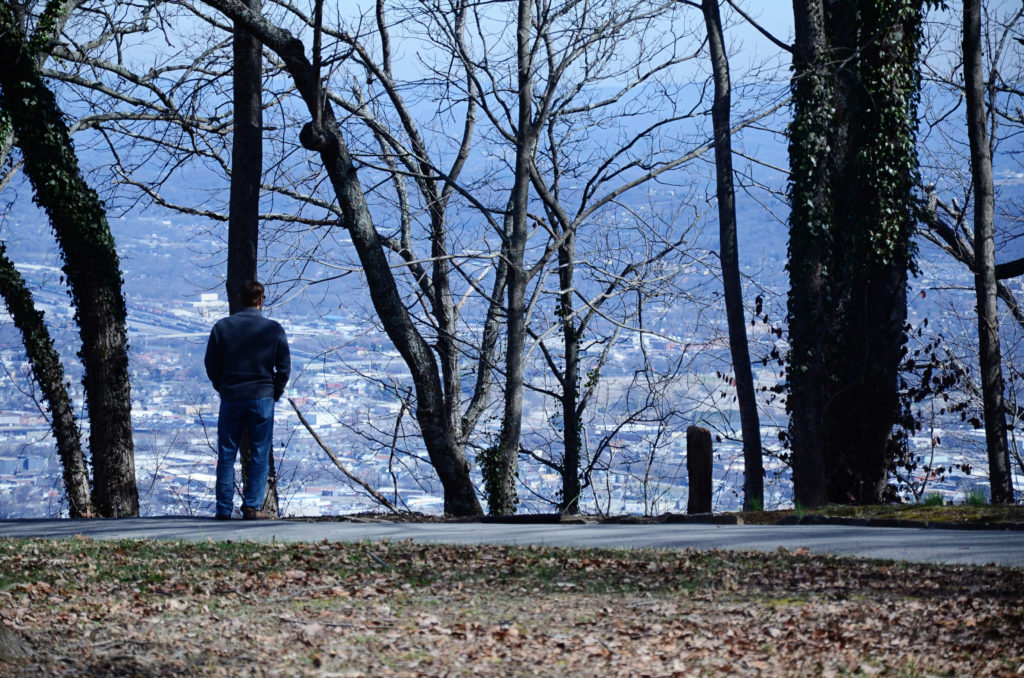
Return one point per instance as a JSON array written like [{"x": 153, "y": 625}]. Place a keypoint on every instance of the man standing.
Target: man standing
[{"x": 247, "y": 360}]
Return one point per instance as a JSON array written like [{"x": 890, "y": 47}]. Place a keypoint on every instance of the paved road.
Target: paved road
[{"x": 917, "y": 545}]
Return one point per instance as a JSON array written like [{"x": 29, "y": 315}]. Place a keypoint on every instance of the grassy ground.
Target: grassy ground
[
  {"x": 962, "y": 514},
  {"x": 144, "y": 608}
]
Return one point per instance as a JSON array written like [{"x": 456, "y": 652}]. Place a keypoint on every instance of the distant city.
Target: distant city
[{"x": 347, "y": 374}]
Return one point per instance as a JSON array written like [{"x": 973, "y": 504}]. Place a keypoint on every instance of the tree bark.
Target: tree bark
[
  {"x": 984, "y": 255},
  {"x": 872, "y": 225},
  {"x": 571, "y": 431},
  {"x": 445, "y": 455},
  {"x": 246, "y": 161},
  {"x": 854, "y": 162},
  {"x": 808, "y": 240},
  {"x": 49, "y": 374},
  {"x": 91, "y": 267},
  {"x": 753, "y": 478},
  {"x": 244, "y": 198},
  {"x": 502, "y": 499}
]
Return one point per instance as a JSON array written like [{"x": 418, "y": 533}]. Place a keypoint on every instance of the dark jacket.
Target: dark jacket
[{"x": 247, "y": 357}]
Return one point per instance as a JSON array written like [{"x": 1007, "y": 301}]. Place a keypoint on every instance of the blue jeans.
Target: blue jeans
[{"x": 236, "y": 417}]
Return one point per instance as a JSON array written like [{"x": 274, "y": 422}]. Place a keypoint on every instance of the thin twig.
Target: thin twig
[{"x": 337, "y": 462}]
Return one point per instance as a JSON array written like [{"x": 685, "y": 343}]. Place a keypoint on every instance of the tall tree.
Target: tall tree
[
  {"x": 579, "y": 81},
  {"x": 244, "y": 202},
  {"x": 753, "y": 478},
  {"x": 91, "y": 264},
  {"x": 502, "y": 493},
  {"x": 853, "y": 169},
  {"x": 808, "y": 242},
  {"x": 984, "y": 258},
  {"x": 425, "y": 179},
  {"x": 324, "y": 136}
]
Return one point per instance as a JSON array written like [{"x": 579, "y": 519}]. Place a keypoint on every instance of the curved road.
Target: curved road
[{"x": 978, "y": 547}]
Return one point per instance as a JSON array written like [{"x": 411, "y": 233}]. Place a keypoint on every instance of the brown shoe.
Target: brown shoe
[{"x": 249, "y": 513}]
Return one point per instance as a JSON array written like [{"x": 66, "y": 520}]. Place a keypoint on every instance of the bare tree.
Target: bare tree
[
  {"x": 579, "y": 82},
  {"x": 753, "y": 483},
  {"x": 324, "y": 136},
  {"x": 984, "y": 257},
  {"x": 402, "y": 155},
  {"x": 951, "y": 222}
]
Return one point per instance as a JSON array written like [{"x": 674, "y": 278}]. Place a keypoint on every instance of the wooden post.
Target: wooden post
[{"x": 698, "y": 465}]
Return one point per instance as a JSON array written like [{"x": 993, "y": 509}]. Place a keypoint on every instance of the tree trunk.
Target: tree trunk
[
  {"x": 854, "y": 166},
  {"x": 91, "y": 267},
  {"x": 873, "y": 206},
  {"x": 246, "y": 161},
  {"x": 753, "y": 478},
  {"x": 984, "y": 255},
  {"x": 49, "y": 373},
  {"x": 447, "y": 318},
  {"x": 244, "y": 205},
  {"x": 808, "y": 241},
  {"x": 571, "y": 430},
  {"x": 502, "y": 499}
]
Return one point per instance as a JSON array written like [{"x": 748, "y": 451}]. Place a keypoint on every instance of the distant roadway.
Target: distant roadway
[{"x": 977, "y": 547}]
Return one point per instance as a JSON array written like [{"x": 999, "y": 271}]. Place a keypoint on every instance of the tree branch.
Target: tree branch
[{"x": 341, "y": 467}]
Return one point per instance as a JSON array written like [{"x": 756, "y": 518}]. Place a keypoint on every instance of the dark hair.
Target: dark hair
[{"x": 250, "y": 293}]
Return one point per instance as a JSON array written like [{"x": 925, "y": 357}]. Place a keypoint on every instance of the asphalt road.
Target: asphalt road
[{"x": 978, "y": 547}]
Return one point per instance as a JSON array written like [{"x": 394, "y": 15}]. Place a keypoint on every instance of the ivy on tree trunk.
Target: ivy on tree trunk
[
  {"x": 91, "y": 266},
  {"x": 853, "y": 169},
  {"x": 49, "y": 374}
]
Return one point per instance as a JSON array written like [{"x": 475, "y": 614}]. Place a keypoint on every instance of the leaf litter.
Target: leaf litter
[{"x": 145, "y": 608}]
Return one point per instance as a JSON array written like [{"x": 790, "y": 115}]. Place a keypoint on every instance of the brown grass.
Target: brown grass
[{"x": 143, "y": 608}]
